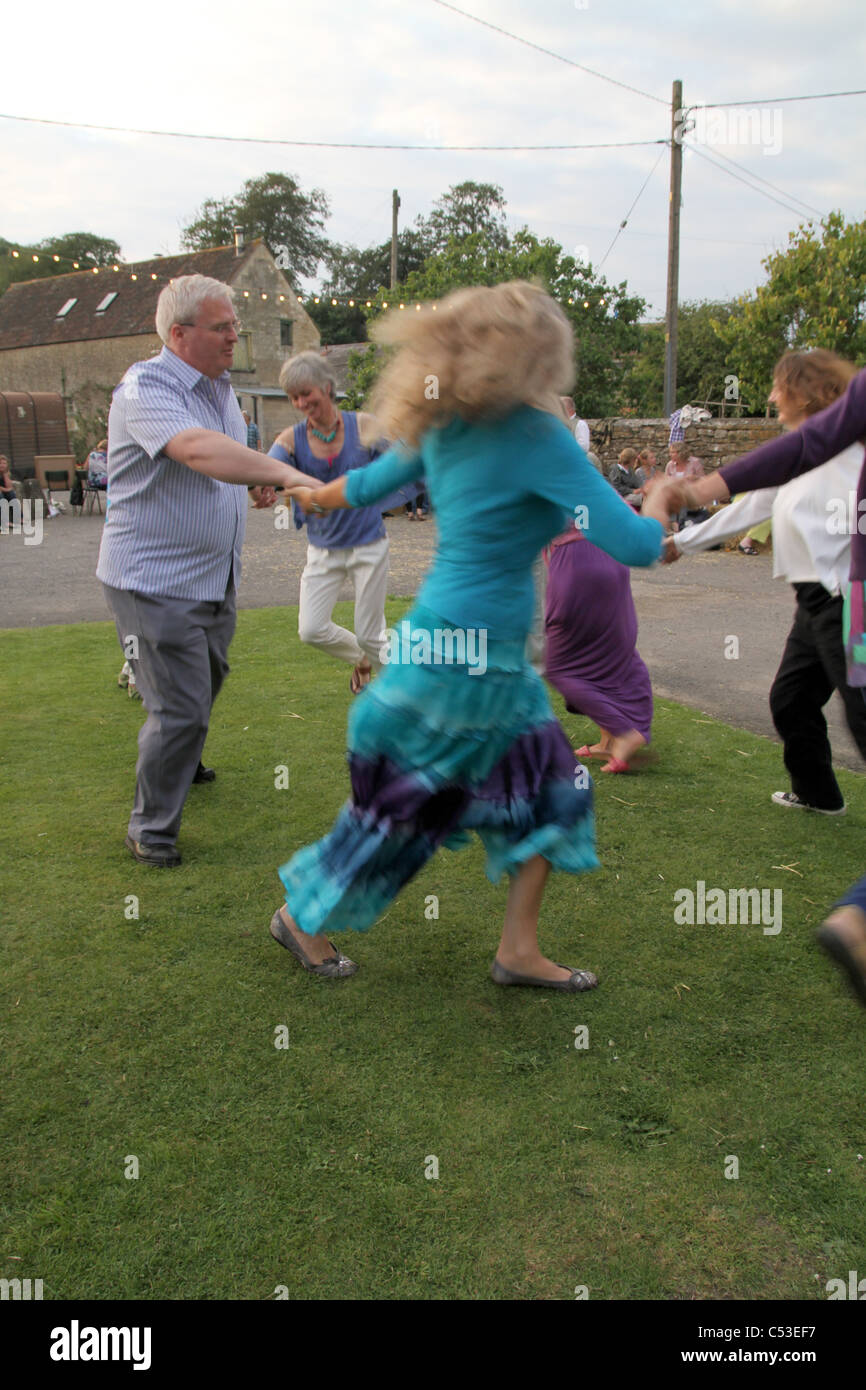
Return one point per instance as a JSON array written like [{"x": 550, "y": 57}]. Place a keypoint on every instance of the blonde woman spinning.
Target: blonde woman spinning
[{"x": 442, "y": 744}]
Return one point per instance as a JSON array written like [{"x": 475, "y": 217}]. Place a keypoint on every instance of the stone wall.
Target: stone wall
[
  {"x": 69, "y": 367},
  {"x": 714, "y": 442}
]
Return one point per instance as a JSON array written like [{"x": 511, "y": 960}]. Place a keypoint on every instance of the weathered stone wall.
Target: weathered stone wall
[
  {"x": 714, "y": 442},
  {"x": 67, "y": 367}
]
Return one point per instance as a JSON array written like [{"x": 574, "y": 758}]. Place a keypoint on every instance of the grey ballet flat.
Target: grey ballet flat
[
  {"x": 336, "y": 967},
  {"x": 576, "y": 984}
]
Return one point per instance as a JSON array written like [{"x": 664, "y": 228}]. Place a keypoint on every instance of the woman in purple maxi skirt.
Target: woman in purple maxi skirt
[{"x": 591, "y": 631}]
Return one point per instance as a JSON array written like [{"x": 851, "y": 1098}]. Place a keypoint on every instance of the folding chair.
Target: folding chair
[
  {"x": 55, "y": 471},
  {"x": 92, "y": 494}
]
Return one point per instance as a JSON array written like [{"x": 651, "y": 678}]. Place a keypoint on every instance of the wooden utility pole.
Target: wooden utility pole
[
  {"x": 671, "y": 311},
  {"x": 395, "y": 207}
]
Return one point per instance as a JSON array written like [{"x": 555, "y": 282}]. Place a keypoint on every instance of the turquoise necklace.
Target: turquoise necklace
[{"x": 326, "y": 438}]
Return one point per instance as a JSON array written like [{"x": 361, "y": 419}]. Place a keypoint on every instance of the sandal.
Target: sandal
[
  {"x": 616, "y": 765},
  {"x": 641, "y": 757},
  {"x": 335, "y": 967},
  {"x": 587, "y": 752}
]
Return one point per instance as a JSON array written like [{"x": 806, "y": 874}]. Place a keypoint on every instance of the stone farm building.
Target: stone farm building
[{"x": 78, "y": 333}]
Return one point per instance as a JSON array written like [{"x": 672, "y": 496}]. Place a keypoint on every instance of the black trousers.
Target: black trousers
[{"x": 812, "y": 667}]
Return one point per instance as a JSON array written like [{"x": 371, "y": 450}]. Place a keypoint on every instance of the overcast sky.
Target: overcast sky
[{"x": 414, "y": 72}]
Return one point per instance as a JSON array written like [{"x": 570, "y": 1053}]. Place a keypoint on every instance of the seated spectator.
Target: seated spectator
[
  {"x": 648, "y": 467},
  {"x": 97, "y": 466},
  {"x": 683, "y": 464},
  {"x": 623, "y": 477},
  {"x": 7, "y": 488}
]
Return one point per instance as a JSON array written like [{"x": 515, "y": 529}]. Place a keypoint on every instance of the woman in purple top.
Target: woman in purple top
[
  {"x": 817, "y": 440},
  {"x": 345, "y": 545},
  {"x": 591, "y": 659}
]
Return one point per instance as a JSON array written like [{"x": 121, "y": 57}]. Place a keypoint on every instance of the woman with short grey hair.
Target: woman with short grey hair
[
  {"x": 307, "y": 369},
  {"x": 345, "y": 544}
]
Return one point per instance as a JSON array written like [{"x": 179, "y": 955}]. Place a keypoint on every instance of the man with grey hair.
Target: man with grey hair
[{"x": 178, "y": 475}]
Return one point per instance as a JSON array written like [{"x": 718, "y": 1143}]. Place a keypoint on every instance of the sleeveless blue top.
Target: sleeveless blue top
[{"x": 339, "y": 530}]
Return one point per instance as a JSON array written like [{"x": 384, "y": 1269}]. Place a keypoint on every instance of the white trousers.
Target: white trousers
[{"x": 367, "y": 567}]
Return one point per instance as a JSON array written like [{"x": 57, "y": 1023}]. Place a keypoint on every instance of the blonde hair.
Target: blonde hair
[
  {"x": 819, "y": 377},
  {"x": 479, "y": 354},
  {"x": 627, "y": 458}
]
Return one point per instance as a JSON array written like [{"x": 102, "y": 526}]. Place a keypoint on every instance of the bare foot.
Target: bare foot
[
  {"x": 315, "y": 948},
  {"x": 360, "y": 676},
  {"x": 624, "y": 746}
]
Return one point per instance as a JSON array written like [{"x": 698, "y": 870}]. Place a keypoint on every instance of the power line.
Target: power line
[
  {"x": 703, "y": 154},
  {"x": 776, "y": 101},
  {"x": 550, "y": 53},
  {"x": 315, "y": 144},
  {"x": 792, "y": 196},
  {"x": 624, "y": 221}
]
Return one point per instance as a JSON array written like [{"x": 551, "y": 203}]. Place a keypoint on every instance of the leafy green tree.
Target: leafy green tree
[
  {"x": 359, "y": 275},
  {"x": 364, "y": 367},
  {"x": 702, "y": 360},
  {"x": 84, "y": 247},
  {"x": 467, "y": 209},
  {"x": 272, "y": 206},
  {"x": 814, "y": 296},
  {"x": 604, "y": 317}
]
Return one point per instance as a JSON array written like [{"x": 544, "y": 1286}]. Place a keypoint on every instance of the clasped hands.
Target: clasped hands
[
  {"x": 666, "y": 498},
  {"x": 306, "y": 499},
  {"x": 265, "y": 496}
]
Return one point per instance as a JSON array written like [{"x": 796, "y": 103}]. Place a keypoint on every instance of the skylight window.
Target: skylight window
[
  {"x": 106, "y": 302},
  {"x": 70, "y": 304}
]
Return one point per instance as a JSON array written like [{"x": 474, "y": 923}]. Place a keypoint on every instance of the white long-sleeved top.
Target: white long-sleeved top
[{"x": 809, "y": 546}]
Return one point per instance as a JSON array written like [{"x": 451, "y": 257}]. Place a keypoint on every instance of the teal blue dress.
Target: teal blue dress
[{"x": 457, "y": 732}]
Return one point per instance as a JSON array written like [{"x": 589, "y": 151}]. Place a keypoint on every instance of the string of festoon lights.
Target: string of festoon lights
[{"x": 333, "y": 301}]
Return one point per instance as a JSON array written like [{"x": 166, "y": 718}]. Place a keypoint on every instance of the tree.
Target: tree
[
  {"x": 364, "y": 367},
  {"x": 358, "y": 275},
  {"x": 814, "y": 296},
  {"x": 274, "y": 207},
  {"x": 84, "y": 247},
  {"x": 702, "y": 360},
  {"x": 604, "y": 317},
  {"x": 467, "y": 209}
]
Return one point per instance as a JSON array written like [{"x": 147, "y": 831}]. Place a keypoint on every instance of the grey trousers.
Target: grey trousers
[{"x": 180, "y": 660}]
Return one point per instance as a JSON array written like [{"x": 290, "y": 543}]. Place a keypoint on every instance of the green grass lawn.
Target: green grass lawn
[{"x": 303, "y": 1167}]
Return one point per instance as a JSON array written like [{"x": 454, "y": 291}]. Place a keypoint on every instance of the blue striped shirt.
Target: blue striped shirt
[{"x": 170, "y": 530}]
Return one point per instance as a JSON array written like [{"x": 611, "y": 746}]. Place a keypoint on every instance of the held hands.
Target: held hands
[
  {"x": 670, "y": 554},
  {"x": 659, "y": 502},
  {"x": 306, "y": 500},
  {"x": 264, "y": 496}
]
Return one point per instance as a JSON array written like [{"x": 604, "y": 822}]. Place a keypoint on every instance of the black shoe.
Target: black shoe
[
  {"x": 159, "y": 856},
  {"x": 204, "y": 774}
]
